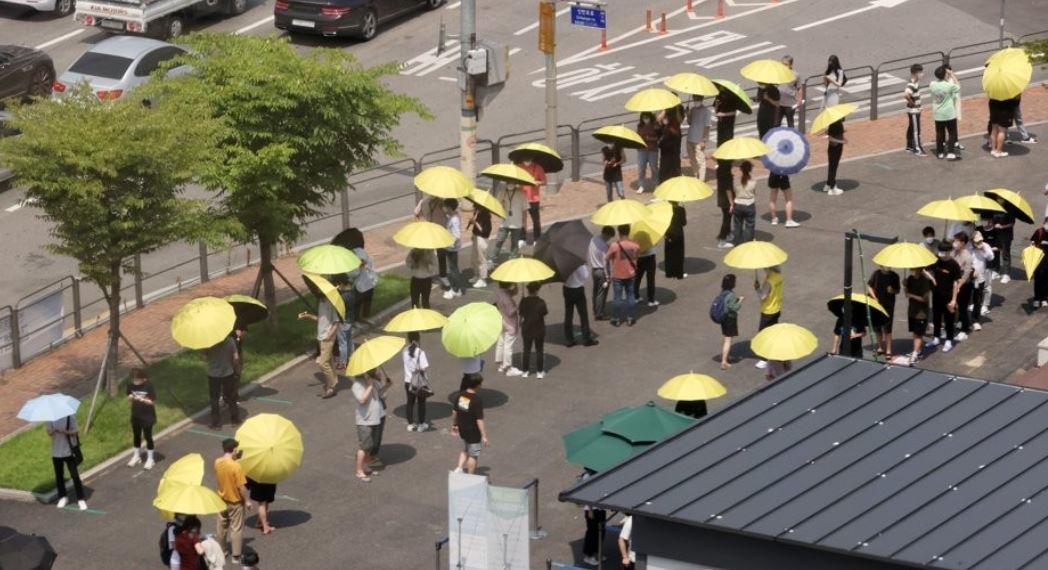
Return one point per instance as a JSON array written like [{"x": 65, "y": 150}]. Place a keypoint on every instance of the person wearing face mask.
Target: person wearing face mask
[
  {"x": 947, "y": 275},
  {"x": 918, "y": 287},
  {"x": 232, "y": 487},
  {"x": 989, "y": 236},
  {"x": 963, "y": 256},
  {"x": 648, "y": 130},
  {"x": 930, "y": 242},
  {"x": 982, "y": 258},
  {"x": 1040, "y": 275},
  {"x": 1004, "y": 225},
  {"x": 912, "y": 94}
]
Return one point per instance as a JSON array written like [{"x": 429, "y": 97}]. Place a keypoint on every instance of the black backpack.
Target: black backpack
[{"x": 166, "y": 548}]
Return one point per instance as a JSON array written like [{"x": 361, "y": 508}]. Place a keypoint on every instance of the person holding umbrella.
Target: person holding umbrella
[
  {"x": 143, "y": 416},
  {"x": 575, "y": 301},
  {"x": 1004, "y": 228},
  {"x": 613, "y": 159},
  {"x": 947, "y": 277},
  {"x": 1039, "y": 239},
  {"x": 674, "y": 246},
  {"x": 369, "y": 389},
  {"x": 223, "y": 369},
  {"x": 416, "y": 364},
  {"x": 533, "y": 194},
  {"x": 649, "y": 130},
  {"x": 699, "y": 120},
  {"x": 65, "y": 451},
  {"x": 431, "y": 209},
  {"x": 725, "y": 112},
  {"x": 669, "y": 144},
  {"x": 918, "y": 287},
  {"x": 451, "y": 253},
  {"x": 507, "y": 306},
  {"x": 480, "y": 224},
  {"x": 512, "y": 227},
  {"x": 884, "y": 286},
  {"x": 422, "y": 265},
  {"x": 744, "y": 204}
]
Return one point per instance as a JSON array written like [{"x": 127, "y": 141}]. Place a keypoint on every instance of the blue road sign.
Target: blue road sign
[{"x": 589, "y": 17}]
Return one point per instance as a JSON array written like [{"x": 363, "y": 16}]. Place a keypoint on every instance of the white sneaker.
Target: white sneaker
[
  {"x": 971, "y": 307},
  {"x": 591, "y": 560},
  {"x": 62, "y": 503},
  {"x": 951, "y": 156},
  {"x": 457, "y": 470},
  {"x": 653, "y": 303},
  {"x": 828, "y": 189},
  {"x": 728, "y": 245},
  {"x": 947, "y": 347},
  {"x": 985, "y": 311},
  {"x": 1036, "y": 304},
  {"x": 514, "y": 371},
  {"x": 976, "y": 327},
  {"x": 449, "y": 294},
  {"x": 540, "y": 375},
  {"x": 640, "y": 190},
  {"x": 761, "y": 364},
  {"x": 502, "y": 369},
  {"x": 995, "y": 276},
  {"x": 1005, "y": 279},
  {"x": 457, "y": 293},
  {"x": 934, "y": 341},
  {"x": 82, "y": 504},
  {"x": 521, "y": 244},
  {"x": 424, "y": 426},
  {"x": 149, "y": 464},
  {"x": 136, "y": 458},
  {"x": 722, "y": 244},
  {"x": 836, "y": 191},
  {"x": 914, "y": 357},
  {"x": 960, "y": 336},
  {"x": 775, "y": 221},
  {"x": 480, "y": 284},
  {"x": 526, "y": 374},
  {"x": 411, "y": 427},
  {"x": 792, "y": 224}
]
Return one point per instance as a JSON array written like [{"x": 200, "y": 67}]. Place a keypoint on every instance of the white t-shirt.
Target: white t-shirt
[
  {"x": 578, "y": 277},
  {"x": 59, "y": 441},
  {"x": 699, "y": 118},
  {"x": 415, "y": 363},
  {"x": 627, "y": 534},
  {"x": 515, "y": 203}
]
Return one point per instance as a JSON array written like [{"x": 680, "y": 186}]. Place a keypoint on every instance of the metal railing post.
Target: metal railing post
[
  {"x": 78, "y": 318},
  {"x": 496, "y": 151},
  {"x": 139, "y": 301},
  {"x": 205, "y": 275},
  {"x": 16, "y": 340},
  {"x": 802, "y": 114},
  {"x": 344, "y": 201},
  {"x": 874, "y": 84},
  {"x": 439, "y": 546},
  {"x": 537, "y": 531},
  {"x": 576, "y": 155}
]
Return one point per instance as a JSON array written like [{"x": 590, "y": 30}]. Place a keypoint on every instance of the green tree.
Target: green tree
[
  {"x": 299, "y": 124},
  {"x": 1038, "y": 51},
  {"x": 109, "y": 176}
]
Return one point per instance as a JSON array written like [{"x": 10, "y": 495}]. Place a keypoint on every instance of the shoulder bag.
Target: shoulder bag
[{"x": 78, "y": 456}]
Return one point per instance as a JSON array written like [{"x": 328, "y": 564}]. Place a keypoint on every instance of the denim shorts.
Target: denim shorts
[{"x": 472, "y": 449}]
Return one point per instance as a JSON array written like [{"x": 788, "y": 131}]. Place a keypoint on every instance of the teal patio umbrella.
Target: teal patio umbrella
[
  {"x": 593, "y": 449},
  {"x": 621, "y": 434}
]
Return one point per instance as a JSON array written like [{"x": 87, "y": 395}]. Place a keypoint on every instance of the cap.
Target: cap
[{"x": 977, "y": 237}]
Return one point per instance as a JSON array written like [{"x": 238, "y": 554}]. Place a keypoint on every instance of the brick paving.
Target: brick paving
[{"x": 72, "y": 367}]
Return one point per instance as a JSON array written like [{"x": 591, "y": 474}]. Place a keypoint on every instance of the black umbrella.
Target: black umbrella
[
  {"x": 540, "y": 153},
  {"x": 25, "y": 551},
  {"x": 564, "y": 247},
  {"x": 350, "y": 238},
  {"x": 249, "y": 310}
]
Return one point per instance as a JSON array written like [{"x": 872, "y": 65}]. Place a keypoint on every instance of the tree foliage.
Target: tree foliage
[{"x": 1038, "y": 51}]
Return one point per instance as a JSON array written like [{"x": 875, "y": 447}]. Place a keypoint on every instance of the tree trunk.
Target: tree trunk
[
  {"x": 269, "y": 292},
  {"x": 112, "y": 363}
]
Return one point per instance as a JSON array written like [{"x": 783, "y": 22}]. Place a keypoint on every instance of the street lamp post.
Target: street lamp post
[
  {"x": 548, "y": 44},
  {"x": 468, "y": 119},
  {"x": 1001, "y": 25},
  {"x": 846, "y": 308}
]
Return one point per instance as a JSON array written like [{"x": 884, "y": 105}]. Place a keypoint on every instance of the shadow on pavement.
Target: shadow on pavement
[
  {"x": 434, "y": 411},
  {"x": 845, "y": 184},
  {"x": 693, "y": 266},
  {"x": 491, "y": 398},
  {"x": 799, "y": 216},
  {"x": 281, "y": 518},
  {"x": 394, "y": 453}
]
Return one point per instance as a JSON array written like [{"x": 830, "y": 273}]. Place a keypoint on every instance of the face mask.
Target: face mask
[
  {"x": 1045, "y": 226},
  {"x": 930, "y": 240}
]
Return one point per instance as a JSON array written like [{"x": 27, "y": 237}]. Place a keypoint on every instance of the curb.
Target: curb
[{"x": 182, "y": 425}]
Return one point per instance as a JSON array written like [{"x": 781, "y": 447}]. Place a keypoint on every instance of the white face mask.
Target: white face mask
[
  {"x": 1045, "y": 226},
  {"x": 929, "y": 240}
]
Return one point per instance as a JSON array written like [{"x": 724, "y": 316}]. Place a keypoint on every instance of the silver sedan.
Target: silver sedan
[{"x": 117, "y": 65}]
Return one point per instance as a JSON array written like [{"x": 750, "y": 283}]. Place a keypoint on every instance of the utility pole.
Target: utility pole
[
  {"x": 1001, "y": 25},
  {"x": 468, "y": 120},
  {"x": 548, "y": 45}
]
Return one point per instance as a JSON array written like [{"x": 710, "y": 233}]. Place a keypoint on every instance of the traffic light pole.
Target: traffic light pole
[
  {"x": 547, "y": 16},
  {"x": 468, "y": 120}
]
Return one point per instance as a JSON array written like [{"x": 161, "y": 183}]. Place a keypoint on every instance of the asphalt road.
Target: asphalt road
[
  {"x": 593, "y": 83},
  {"x": 328, "y": 520}
]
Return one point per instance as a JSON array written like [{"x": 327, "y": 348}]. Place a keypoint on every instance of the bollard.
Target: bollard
[
  {"x": 603, "y": 39},
  {"x": 662, "y": 25},
  {"x": 647, "y": 26},
  {"x": 720, "y": 9}
]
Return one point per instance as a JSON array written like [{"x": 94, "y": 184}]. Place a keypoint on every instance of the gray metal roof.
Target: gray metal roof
[{"x": 892, "y": 463}]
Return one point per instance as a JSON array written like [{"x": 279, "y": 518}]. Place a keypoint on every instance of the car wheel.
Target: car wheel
[
  {"x": 368, "y": 25},
  {"x": 236, "y": 7},
  {"x": 64, "y": 7},
  {"x": 433, "y": 4},
  {"x": 173, "y": 27},
  {"x": 41, "y": 82}
]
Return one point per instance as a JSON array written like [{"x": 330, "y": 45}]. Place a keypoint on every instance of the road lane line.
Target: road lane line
[
  {"x": 445, "y": 78},
  {"x": 873, "y": 6},
  {"x": 250, "y": 27},
  {"x": 274, "y": 400},
  {"x": 60, "y": 39},
  {"x": 14, "y": 208},
  {"x": 527, "y": 29}
]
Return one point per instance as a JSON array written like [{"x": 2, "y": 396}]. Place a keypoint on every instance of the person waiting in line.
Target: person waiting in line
[
  {"x": 187, "y": 544},
  {"x": 700, "y": 118},
  {"x": 744, "y": 205},
  {"x": 770, "y": 293},
  {"x": 454, "y": 227},
  {"x": 834, "y": 152},
  {"x": 1039, "y": 239},
  {"x": 646, "y": 268},
  {"x": 768, "y": 98},
  {"x": 512, "y": 228},
  {"x": 505, "y": 301},
  {"x": 365, "y": 281},
  {"x": 613, "y": 159},
  {"x": 597, "y": 258},
  {"x": 422, "y": 265},
  {"x": 480, "y": 225},
  {"x": 467, "y": 422},
  {"x": 223, "y": 369},
  {"x": 649, "y": 130},
  {"x": 918, "y": 287},
  {"x": 595, "y": 525},
  {"x": 884, "y": 286},
  {"x": 673, "y": 248},
  {"x": 669, "y": 144},
  {"x": 982, "y": 259},
  {"x": 730, "y": 321},
  {"x": 65, "y": 445},
  {"x": 574, "y": 291},
  {"x": 327, "y": 319},
  {"x": 416, "y": 382},
  {"x": 622, "y": 261},
  {"x": 264, "y": 494},
  {"x": 533, "y": 313},
  {"x": 142, "y": 395},
  {"x": 534, "y": 195}
]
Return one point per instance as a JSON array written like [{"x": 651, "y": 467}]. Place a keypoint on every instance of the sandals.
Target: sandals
[{"x": 363, "y": 477}]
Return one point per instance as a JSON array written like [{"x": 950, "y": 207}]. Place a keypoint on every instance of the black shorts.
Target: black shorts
[
  {"x": 887, "y": 326},
  {"x": 730, "y": 326},
  {"x": 768, "y": 320},
  {"x": 1001, "y": 117},
  {"x": 918, "y": 326},
  {"x": 261, "y": 492},
  {"x": 779, "y": 181}
]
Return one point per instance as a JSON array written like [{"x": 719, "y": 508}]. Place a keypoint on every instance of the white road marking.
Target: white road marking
[
  {"x": 14, "y": 208},
  {"x": 63, "y": 38},
  {"x": 873, "y": 6},
  {"x": 453, "y": 5},
  {"x": 527, "y": 29},
  {"x": 747, "y": 53},
  {"x": 515, "y": 50},
  {"x": 250, "y": 27},
  {"x": 451, "y": 79}
]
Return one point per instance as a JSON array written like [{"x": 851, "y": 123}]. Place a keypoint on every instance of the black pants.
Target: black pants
[
  {"x": 1040, "y": 283},
  {"x": 536, "y": 223},
  {"x": 575, "y": 300},
  {"x": 941, "y": 314},
  {"x": 362, "y": 306},
  {"x": 645, "y": 266},
  {"x": 768, "y": 320},
  {"x": 420, "y": 290},
  {"x": 227, "y": 388},
  {"x": 978, "y": 295},
  {"x": 913, "y": 132},
  {"x": 416, "y": 402},
  {"x": 540, "y": 356},
  {"x": 442, "y": 263},
  {"x": 594, "y": 531},
  {"x": 1004, "y": 255},
  {"x": 945, "y": 136},
  {"x": 140, "y": 429},
  {"x": 786, "y": 113},
  {"x": 833, "y": 154},
  {"x": 600, "y": 292},
  {"x": 725, "y": 227},
  {"x": 964, "y": 296},
  {"x": 69, "y": 463}
]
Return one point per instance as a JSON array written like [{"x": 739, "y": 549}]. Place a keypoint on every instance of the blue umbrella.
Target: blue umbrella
[
  {"x": 789, "y": 151},
  {"x": 48, "y": 408}
]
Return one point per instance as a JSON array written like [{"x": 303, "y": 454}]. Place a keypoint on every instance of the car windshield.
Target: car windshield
[{"x": 101, "y": 65}]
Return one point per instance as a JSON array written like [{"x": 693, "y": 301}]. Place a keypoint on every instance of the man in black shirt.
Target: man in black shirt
[
  {"x": 884, "y": 284},
  {"x": 947, "y": 275},
  {"x": 481, "y": 226},
  {"x": 1004, "y": 225},
  {"x": 918, "y": 287},
  {"x": 467, "y": 422}
]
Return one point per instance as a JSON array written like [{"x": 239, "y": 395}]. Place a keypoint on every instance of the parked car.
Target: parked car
[
  {"x": 356, "y": 18},
  {"x": 60, "y": 7},
  {"x": 116, "y": 65},
  {"x": 25, "y": 72}
]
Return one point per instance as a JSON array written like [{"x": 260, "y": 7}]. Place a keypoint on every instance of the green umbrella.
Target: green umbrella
[
  {"x": 472, "y": 329},
  {"x": 732, "y": 92},
  {"x": 328, "y": 260},
  {"x": 646, "y": 423},
  {"x": 593, "y": 449}
]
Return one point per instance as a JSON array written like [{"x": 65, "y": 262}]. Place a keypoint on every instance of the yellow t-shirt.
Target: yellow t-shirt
[
  {"x": 773, "y": 302},
  {"x": 230, "y": 477}
]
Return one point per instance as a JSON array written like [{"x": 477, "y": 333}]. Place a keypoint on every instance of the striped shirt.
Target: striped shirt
[{"x": 913, "y": 89}]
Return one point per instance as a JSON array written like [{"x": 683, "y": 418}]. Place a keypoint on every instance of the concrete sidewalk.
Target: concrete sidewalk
[{"x": 71, "y": 367}]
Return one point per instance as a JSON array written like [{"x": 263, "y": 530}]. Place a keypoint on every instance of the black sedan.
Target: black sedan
[
  {"x": 24, "y": 72},
  {"x": 357, "y": 18}
]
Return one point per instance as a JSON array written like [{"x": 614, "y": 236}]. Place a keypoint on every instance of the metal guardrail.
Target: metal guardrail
[{"x": 148, "y": 284}]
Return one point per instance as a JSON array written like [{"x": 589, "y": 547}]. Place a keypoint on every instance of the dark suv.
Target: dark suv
[
  {"x": 357, "y": 18},
  {"x": 24, "y": 72}
]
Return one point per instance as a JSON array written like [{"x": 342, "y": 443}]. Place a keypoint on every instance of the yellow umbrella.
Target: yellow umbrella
[
  {"x": 683, "y": 189},
  {"x": 373, "y": 353},
  {"x": 1006, "y": 75},
  {"x": 189, "y": 499},
  {"x": 652, "y": 228},
  {"x": 328, "y": 260},
  {"x": 621, "y": 135},
  {"x": 203, "y": 322},
  {"x": 619, "y": 212},
  {"x": 652, "y": 99},
  {"x": 1032, "y": 257},
  {"x": 511, "y": 173},
  {"x": 323, "y": 288},
  {"x": 977, "y": 202},
  {"x": 768, "y": 71},
  {"x": 1008, "y": 54},
  {"x": 905, "y": 255},
  {"x": 271, "y": 446},
  {"x": 741, "y": 148},
  {"x": 416, "y": 319},
  {"x": 443, "y": 182},
  {"x": 692, "y": 84},
  {"x": 948, "y": 209},
  {"x": 755, "y": 255},
  {"x": 522, "y": 270},
  {"x": 690, "y": 387},
  {"x": 188, "y": 470},
  {"x": 1014, "y": 204},
  {"x": 784, "y": 341},
  {"x": 831, "y": 115},
  {"x": 485, "y": 199},
  {"x": 472, "y": 329},
  {"x": 424, "y": 235}
]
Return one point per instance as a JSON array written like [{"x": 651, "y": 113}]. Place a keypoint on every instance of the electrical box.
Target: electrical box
[
  {"x": 497, "y": 61},
  {"x": 477, "y": 61}
]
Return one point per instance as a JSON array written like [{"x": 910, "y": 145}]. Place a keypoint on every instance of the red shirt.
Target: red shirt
[
  {"x": 538, "y": 173},
  {"x": 622, "y": 256},
  {"x": 186, "y": 547}
]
